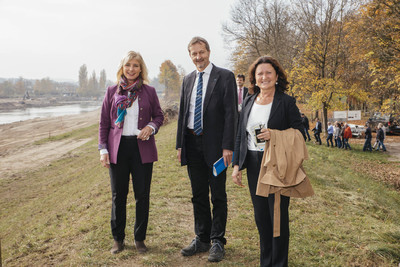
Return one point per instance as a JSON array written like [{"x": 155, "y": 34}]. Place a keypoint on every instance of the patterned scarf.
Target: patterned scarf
[{"x": 122, "y": 101}]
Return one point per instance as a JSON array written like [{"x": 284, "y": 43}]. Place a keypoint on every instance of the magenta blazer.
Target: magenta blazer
[{"x": 150, "y": 113}]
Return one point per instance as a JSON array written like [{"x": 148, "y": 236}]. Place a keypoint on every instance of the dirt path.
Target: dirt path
[{"x": 17, "y": 151}]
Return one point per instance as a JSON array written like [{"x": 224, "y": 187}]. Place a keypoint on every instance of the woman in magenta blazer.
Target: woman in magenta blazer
[{"x": 130, "y": 117}]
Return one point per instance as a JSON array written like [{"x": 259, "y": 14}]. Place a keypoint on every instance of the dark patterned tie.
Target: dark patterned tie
[{"x": 197, "y": 109}]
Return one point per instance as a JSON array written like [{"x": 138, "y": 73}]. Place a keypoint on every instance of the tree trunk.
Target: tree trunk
[{"x": 325, "y": 114}]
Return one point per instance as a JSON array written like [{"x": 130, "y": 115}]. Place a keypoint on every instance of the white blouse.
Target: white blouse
[{"x": 258, "y": 119}]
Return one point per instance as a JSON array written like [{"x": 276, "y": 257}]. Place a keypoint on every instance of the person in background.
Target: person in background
[
  {"x": 342, "y": 133},
  {"x": 207, "y": 123},
  {"x": 269, "y": 107},
  {"x": 130, "y": 117},
  {"x": 346, "y": 136},
  {"x": 306, "y": 124},
  {"x": 317, "y": 131},
  {"x": 368, "y": 138},
  {"x": 336, "y": 135},
  {"x": 330, "y": 134},
  {"x": 241, "y": 90},
  {"x": 380, "y": 136}
]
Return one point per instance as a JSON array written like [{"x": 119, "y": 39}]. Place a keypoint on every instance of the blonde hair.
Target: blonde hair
[{"x": 143, "y": 69}]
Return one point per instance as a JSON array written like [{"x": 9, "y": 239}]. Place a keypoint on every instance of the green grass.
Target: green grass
[{"x": 59, "y": 214}]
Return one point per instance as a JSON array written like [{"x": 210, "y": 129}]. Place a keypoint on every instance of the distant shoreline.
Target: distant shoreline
[{"x": 9, "y": 104}]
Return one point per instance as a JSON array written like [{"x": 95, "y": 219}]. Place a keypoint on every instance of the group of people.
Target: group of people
[
  {"x": 380, "y": 138},
  {"x": 209, "y": 128},
  {"x": 340, "y": 133}
]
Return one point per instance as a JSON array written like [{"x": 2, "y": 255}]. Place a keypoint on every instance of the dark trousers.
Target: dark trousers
[
  {"x": 329, "y": 138},
  {"x": 273, "y": 251},
  {"x": 130, "y": 163},
  {"x": 367, "y": 145},
  {"x": 307, "y": 134},
  {"x": 207, "y": 227},
  {"x": 317, "y": 137},
  {"x": 346, "y": 143}
]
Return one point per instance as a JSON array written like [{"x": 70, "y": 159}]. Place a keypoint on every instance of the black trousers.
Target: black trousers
[
  {"x": 317, "y": 137},
  {"x": 207, "y": 227},
  {"x": 130, "y": 163},
  {"x": 273, "y": 251}
]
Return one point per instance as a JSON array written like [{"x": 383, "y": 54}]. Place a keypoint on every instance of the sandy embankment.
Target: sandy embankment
[{"x": 17, "y": 151}]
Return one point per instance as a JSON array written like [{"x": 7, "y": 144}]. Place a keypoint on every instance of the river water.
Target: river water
[{"x": 52, "y": 111}]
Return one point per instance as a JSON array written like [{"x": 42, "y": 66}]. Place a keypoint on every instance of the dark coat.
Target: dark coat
[
  {"x": 368, "y": 133},
  {"x": 380, "y": 135},
  {"x": 284, "y": 115},
  {"x": 219, "y": 114},
  {"x": 305, "y": 122}
]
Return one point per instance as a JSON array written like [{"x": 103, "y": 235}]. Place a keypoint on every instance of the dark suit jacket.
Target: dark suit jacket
[
  {"x": 284, "y": 115},
  {"x": 245, "y": 92},
  {"x": 319, "y": 126},
  {"x": 219, "y": 114}
]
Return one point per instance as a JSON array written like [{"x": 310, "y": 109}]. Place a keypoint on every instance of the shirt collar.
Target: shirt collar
[{"x": 207, "y": 70}]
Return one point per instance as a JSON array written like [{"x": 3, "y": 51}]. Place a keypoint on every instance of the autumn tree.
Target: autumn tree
[
  {"x": 260, "y": 27},
  {"x": 93, "y": 86},
  {"x": 379, "y": 21},
  {"x": 19, "y": 86},
  {"x": 102, "y": 80},
  {"x": 83, "y": 80},
  {"x": 44, "y": 86},
  {"x": 319, "y": 64},
  {"x": 170, "y": 78}
]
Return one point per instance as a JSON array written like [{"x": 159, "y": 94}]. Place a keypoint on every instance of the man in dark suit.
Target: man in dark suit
[
  {"x": 317, "y": 131},
  {"x": 206, "y": 132},
  {"x": 306, "y": 123},
  {"x": 241, "y": 90}
]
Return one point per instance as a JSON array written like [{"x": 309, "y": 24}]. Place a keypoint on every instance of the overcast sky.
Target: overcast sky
[{"x": 53, "y": 38}]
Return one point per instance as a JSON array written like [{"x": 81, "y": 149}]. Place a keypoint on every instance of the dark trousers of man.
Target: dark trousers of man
[
  {"x": 308, "y": 135},
  {"x": 367, "y": 145},
  {"x": 273, "y": 251},
  {"x": 329, "y": 138},
  {"x": 317, "y": 137},
  {"x": 206, "y": 227},
  {"x": 129, "y": 163}
]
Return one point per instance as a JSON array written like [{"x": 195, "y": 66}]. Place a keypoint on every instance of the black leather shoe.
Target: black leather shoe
[
  {"x": 217, "y": 251},
  {"x": 141, "y": 247},
  {"x": 117, "y": 247},
  {"x": 195, "y": 247}
]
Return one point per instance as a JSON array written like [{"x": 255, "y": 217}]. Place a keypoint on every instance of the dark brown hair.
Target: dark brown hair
[
  {"x": 241, "y": 76},
  {"x": 282, "y": 78}
]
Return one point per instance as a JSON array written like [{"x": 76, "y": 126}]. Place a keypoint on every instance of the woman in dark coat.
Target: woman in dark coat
[{"x": 268, "y": 108}]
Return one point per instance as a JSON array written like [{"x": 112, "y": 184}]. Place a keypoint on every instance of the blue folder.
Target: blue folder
[{"x": 219, "y": 166}]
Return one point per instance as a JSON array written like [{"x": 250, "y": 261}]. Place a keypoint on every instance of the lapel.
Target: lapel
[
  {"x": 275, "y": 103},
  {"x": 247, "y": 109},
  {"x": 189, "y": 88},
  {"x": 212, "y": 81}
]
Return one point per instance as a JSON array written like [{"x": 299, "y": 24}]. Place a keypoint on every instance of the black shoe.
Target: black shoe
[
  {"x": 141, "y": 247},
  {"x": 195, "y": 247},
  {"x": 117, "y": 247},
  {"x": 217, "y": 251}
]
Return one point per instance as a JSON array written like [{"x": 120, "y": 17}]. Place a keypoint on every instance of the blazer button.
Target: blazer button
[
  {"x": 139, "y": 98},
  {"x": 140, "y": 119},
  {"x": 141, "y": 108}
]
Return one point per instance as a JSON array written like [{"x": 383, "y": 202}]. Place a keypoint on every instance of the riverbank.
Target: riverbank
[
  {"x": 17, "y": 141},
  {"x": 9, "y": 104}
]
